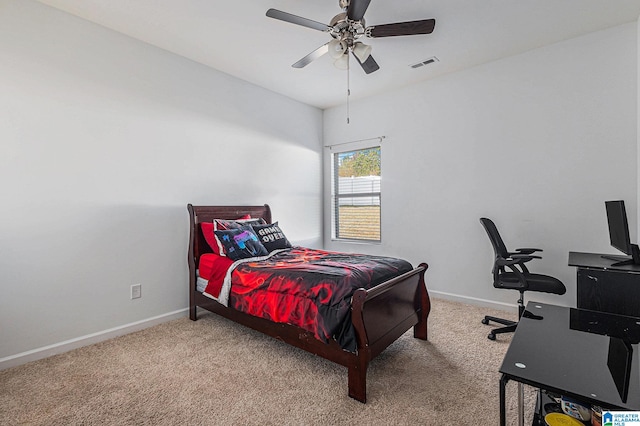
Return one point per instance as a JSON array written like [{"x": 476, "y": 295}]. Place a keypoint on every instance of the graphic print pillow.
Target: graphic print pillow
[
  {"x": 271, "y": 237},
  {"x": 221, "y": 224},
  {"x": 241, "y": 243}
]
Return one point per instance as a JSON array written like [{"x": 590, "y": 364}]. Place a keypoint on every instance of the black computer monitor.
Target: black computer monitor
[{"x": 619, "y": 234}]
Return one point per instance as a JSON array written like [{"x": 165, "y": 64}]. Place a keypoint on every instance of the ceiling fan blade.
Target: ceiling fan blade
[
  {"x": 369, "y": 66},
  {"x": 312, "y": 56},
  {"x": 357, "y": 8},
  {"x": 424, "y": 26},
  {"x": 298, "y": 20}
]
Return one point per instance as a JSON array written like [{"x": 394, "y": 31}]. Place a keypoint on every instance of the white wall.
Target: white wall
[
  {"x": 537, "y": 142},
  {"x": 103, "y": 142},
  {"x": 105, "y": 139}
]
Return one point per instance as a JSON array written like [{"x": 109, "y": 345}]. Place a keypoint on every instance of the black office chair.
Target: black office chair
[{"x": 516, "y": 277}]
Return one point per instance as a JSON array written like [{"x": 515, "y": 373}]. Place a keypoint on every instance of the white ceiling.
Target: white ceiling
[{"x": 237, "y": 38}]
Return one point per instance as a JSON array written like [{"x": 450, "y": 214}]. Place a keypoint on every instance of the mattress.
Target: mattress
[{"x": 201, "y": 283}]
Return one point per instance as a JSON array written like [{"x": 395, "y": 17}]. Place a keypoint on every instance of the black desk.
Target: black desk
[
  {"x": 578, "y": 353},
  {"x": 604, "y": 287}
]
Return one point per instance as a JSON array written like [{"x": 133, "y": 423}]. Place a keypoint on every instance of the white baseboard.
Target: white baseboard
[
  {"x": 89, "y": 339},
  {"x": 475, "y": 301},
  {"x": 57, "y": 348}
]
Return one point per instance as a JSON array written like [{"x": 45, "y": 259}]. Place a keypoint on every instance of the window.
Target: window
[{"x": 356, "y": 194}]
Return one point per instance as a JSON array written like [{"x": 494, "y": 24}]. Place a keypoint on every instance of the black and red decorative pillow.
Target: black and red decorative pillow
[
  {"x": 240, "y": 243},
  {"x": 271, "y": 236},
  {"x": 208, "y": 229}
]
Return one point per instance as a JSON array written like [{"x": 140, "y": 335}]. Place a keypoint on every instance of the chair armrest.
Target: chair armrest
[
  {"x": 528, "y": 257},
  {"x": 527, "y": 250},
  {"x": 516, "y": 259},
  {"x": 513, "y": 265},
  {"x": 511, "y": 261}
]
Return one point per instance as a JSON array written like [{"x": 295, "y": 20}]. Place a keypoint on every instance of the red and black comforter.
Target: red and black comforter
[{"x": 310, "y": 288}]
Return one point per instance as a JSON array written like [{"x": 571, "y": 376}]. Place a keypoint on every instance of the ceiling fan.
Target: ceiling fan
[{"x": 347, "y": 28}]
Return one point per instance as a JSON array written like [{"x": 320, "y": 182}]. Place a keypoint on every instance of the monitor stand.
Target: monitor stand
[
  {"x": 634, "y": 259},
  {"x": 620, "y": 260}
]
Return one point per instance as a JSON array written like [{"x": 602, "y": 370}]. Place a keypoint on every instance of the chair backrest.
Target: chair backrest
[
  {"x": 496, "y": 241},
  {"x": 499, "y": 249}
]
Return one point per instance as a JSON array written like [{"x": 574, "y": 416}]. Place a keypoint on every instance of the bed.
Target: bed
[{"x": 378, "y": 314}]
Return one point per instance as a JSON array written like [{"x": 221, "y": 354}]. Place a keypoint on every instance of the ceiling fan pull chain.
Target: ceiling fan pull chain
[{"x": 348, "y": 85}]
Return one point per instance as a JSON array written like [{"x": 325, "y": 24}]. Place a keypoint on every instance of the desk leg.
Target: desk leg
[
  {"x": 503, "y": 404},
  {"x": 520, "y": 404}
]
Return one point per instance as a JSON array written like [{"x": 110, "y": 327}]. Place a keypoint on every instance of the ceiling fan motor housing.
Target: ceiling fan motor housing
[{"x": 346, "y": 30}]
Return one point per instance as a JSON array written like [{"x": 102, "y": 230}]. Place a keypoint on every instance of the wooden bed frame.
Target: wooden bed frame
[{"x": 380, "y": 315}]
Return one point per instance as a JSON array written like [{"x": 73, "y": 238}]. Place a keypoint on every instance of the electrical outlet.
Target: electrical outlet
[{"x": 136, "y": 291}]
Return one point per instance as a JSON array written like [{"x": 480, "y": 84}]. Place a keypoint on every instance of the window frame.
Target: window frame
[{"x": 336, "y": 195}]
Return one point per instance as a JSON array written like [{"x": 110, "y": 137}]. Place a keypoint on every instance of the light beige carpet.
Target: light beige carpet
[{"x": 213, "y": 371}]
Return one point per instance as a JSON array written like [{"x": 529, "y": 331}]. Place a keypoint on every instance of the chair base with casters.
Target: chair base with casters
[{"x": 509, "y": 325}]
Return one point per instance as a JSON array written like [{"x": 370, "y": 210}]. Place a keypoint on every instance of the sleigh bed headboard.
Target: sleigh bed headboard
[{"x": 199, "y": 214}]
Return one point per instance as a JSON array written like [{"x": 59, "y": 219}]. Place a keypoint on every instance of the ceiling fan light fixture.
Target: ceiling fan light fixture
[
  {"x": 362, "y": 51},
  {"x": 337, "y": 48},
  {"x": 342, "y": 63}
]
